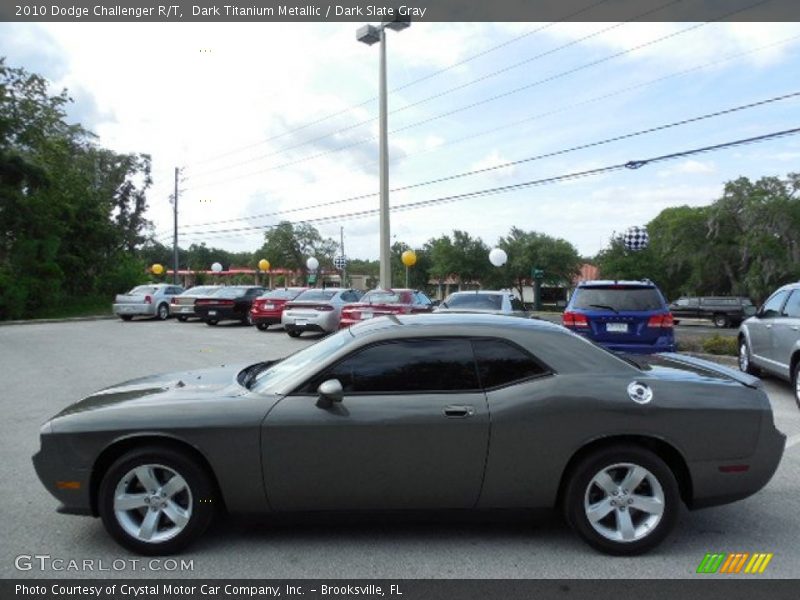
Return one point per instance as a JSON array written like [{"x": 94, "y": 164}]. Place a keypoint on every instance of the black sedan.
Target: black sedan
[
  {"x": 398, "y": 413},
  {"x": 231, "y": 303}
]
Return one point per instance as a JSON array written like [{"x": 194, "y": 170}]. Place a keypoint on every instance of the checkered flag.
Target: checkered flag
[
  {"x": 635, "y": 238},
  {"x": 340, "y": 262}
]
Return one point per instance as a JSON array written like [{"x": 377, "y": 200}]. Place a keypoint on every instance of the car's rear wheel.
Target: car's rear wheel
[
  {"x": 796, "y": 382},
  {"x": 745, "y": 360},
  {"x": 156, "y": 500},
  {"x": 183, "y": 318},
  {"x": 211, "y": 322},
  {"x": 293, "y": 333},
  {"x": 721, "y": 321},
  {"x": 262, "y": 326},
  {"x": 622, "y": 500},
  {"x": 162, "y": 312},
  {"x": 126, "y": 317}
]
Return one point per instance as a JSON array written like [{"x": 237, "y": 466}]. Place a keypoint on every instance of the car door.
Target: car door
[
  {"x": 760, "y": 330},
  {"x": 786, "y": 333},
  {"x": 411, "y": 432}
]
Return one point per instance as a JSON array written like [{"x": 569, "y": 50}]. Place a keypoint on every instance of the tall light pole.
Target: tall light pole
[{"x": 370, "y": 34}]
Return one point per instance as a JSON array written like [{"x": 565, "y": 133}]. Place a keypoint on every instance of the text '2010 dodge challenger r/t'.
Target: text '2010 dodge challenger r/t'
[{"x": 397, "y": 413}]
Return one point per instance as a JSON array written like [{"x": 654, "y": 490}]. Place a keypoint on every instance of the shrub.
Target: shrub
[{"x": 718, "y": 344}]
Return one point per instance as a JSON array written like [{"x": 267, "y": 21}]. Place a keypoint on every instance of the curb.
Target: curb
[{"x": 64, "y": 320}]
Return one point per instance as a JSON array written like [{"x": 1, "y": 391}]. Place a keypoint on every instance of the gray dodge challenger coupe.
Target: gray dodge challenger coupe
[{"x": 418, "y": 412}]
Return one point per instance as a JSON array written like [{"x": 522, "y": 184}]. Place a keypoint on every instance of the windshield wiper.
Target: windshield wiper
[{"x": 606, "y": 306}]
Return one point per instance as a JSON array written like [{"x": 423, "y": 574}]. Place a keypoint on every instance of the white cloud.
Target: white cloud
[
  {"x": 492, "y": 161},
  {"x": 689, "y": 167}
]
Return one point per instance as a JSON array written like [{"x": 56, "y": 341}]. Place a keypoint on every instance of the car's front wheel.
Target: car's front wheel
[
  {"x": 211, "y": 321},
  {"x": 156, "y": 500},
  {"x": 622, "y": 500},
  {"x": 796, "y": 382},
  {"x": 183, "y": 318},
  {"x": 745, "y": 359}
]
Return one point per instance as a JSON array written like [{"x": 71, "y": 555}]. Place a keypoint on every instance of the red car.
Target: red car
[
  {"x": 267, "y": 309},
  {"x": 385, "y": 302}
]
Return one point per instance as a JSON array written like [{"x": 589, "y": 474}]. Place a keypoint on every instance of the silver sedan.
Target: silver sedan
[
  {"x": 150, "y": 300},
  {"x": 317, "y": 310}
]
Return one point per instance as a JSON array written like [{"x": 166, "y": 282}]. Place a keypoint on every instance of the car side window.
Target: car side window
[
  {"x": 772, "y": 307},
  {"x": 501, "y": 362},
  {"x": 421, "y": 298},
  {"x": 405, "y": 366},
  {"x": 516, "y": 304},
  {"x": 792, "y": 308}
]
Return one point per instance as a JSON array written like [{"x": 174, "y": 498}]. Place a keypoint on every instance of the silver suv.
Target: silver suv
[{"x": 769, "y": 341}]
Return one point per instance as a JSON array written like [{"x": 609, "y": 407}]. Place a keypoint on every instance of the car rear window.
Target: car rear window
[
  {"x": 382, "y": 297},
  {"x": 200, "y": 290},
  {"x": 231, "y": 292},
  {"x": 316, "y": 295},
  {"x": 484, "y": 301},
  {"x": 617, "y": 298},
  {"x": 143, "y": 289},
  {"x": 281, "y": 294}
]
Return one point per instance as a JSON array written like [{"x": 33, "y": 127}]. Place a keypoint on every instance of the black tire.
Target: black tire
[
  {"x": 721, "y": 321},
  {"x": 211, "y": 322},
  {"x": 182, "y": 318},
  {"x": 294, "y": 333},
  {"x": 620, "y": 459},
  {"x": 796, "y": 382},
  {"x": 262, "y": 326},
  {"x": 745, "y": 359},
  {"x": 126, "y": 317},
  {"x": 162, "y": 312},
  {"x": 199, "y": 497}
]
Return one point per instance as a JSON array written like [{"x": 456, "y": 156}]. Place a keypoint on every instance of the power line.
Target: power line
[
  {"x": 464, "y": 107},
  {"x": 632, "y": 164},
  {"x": 409, "y": 84},
  {"x": 505, "y": 165},
  {"x": 462, "y": 86}
]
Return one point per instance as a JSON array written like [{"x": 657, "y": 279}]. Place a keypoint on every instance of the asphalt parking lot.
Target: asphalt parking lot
[{"x": 44, "y": 367}]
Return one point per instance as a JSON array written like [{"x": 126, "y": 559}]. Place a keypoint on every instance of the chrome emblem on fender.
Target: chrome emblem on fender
[{"x": 640, "y": 392}]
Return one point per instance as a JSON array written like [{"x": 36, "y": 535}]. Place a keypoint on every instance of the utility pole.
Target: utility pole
[
  {"x": 175, "y": 231},
  {"x": 385, "y": 251},
  {"x": 344, "y": 256}
]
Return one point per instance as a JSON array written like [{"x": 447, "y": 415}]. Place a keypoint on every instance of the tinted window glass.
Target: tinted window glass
[
  {"x": 316, "y": 295},
  {"x": 483, "y": 301},
  {"x": 516, "y": 304},
  {"x": 500, "y": 362},
  {"x": 772, "y": 307},
  {"x": 384, "y": 297},
  {"x": 405, "y": 366},
  {"x": 421, "y": 298},
  {"x": 792, "y": 308},
  {"x": 230, "y": 292},
  {"x": 350, "y": 297},
  {"x": 617, "y": 298}
]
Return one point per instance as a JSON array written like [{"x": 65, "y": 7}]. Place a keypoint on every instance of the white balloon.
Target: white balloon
[
  {"x": 216, "y": 267},
  {"x": 498, "y": 257},
  {"x": 312, "y": 264}
]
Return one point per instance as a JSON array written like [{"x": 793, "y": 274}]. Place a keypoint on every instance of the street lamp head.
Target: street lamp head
[
  {"x": 368, "y": 34},
  {"x": 397, "y": 25}
]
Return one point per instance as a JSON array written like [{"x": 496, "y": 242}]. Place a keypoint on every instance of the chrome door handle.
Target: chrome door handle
[
  {"x": 456, "y": 411},
  {"x": 769, "y": 325},
  {"x": 795, "y": 328}
]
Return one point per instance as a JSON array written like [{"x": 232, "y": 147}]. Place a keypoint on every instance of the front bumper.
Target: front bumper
[{"x": 68, "y": 485}]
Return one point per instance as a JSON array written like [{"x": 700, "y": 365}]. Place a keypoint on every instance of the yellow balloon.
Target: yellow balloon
[
  {"x": 157, "y": 269},
  {"x": 409, "y": 258},
  {"x": 263, "y": 264}
]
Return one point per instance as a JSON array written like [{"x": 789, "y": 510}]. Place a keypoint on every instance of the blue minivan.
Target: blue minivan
[{"x": 623, "y": 316}]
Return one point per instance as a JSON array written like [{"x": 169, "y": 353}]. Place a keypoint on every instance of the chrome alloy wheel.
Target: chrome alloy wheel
[
  {"x": 152, "y": 503},
  {"x": 624, "y": 502},
  {"x": 744, "y": 357}
]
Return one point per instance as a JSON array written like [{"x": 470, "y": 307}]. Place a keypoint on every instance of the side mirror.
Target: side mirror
[{"x": 329, "y": 391}]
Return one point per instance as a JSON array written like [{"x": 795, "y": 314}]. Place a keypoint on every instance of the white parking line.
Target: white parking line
[{"x": 793, "y": 441}]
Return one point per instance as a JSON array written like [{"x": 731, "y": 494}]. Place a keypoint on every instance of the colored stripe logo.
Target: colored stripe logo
[{"x": 734, "y": 562}]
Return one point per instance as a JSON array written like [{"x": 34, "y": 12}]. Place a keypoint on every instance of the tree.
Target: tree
[{"x": 288, "y": 246}]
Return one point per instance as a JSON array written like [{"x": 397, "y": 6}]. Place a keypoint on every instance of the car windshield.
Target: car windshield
[
  {"x": 384, "y": 297},
  {"x": 231, "y": 292},
  {"x": 483, "y": 301},
  {"x": 617, "y": 298},
  {"x": 275, "y": 375},
  {"x": 316, "y": 295},
  {"x": 286, "y": 294},
  {"x": 143, "y": 289}
]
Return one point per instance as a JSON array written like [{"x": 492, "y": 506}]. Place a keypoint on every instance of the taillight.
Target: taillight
[
  {"x": 573, "y": 319},
  {"x": 148, "y": 299},
  {"x": 664, "y": 321}
]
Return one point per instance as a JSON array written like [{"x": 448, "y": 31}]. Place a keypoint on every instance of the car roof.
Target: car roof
[{"x": 423, "y": 322}]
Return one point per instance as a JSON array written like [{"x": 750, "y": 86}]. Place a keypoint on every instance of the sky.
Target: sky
[{"x": 267, "y": 119}]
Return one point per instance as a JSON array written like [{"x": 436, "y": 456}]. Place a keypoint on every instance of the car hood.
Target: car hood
[
  {"x": 185, "y": 386},
  {"x": 670, "y": 365}
]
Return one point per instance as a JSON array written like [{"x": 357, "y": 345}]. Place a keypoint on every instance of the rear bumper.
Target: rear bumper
[
  {"x": 220, "y": 314},
  {"x": 134, "y": 309},
  {"x": 177, "y": 310},
  {"x": 712, "y": 486},
  {"x": 306, "y": 322}
]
